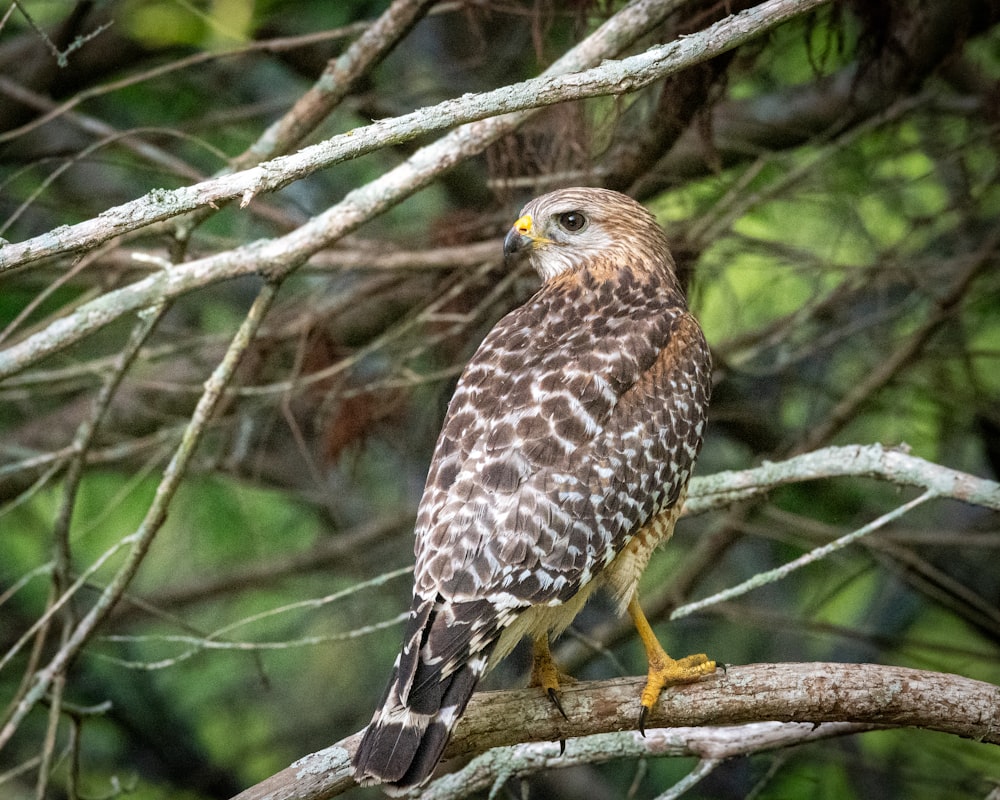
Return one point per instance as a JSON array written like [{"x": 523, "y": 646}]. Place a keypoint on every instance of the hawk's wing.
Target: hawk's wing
[{"x": 576, "y": 421}]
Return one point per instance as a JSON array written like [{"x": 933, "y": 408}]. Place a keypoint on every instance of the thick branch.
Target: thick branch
[
  {"x": 611, "y": 77},
  {"x": 813, "y": 693}
]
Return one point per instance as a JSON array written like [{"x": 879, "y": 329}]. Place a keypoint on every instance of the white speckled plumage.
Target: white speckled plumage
[{"x": 561, "y": 465}]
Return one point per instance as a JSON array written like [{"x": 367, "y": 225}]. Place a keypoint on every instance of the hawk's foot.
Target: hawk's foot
[
  {"x": 663, "y": 670},
  {"x": 546, "y": 674}
]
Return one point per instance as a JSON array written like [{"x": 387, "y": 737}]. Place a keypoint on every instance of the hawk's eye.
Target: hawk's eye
[{"x": 572, "y": 221}]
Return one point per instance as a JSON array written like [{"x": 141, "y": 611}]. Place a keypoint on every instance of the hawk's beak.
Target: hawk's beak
[{"x": 519, "y": 237}]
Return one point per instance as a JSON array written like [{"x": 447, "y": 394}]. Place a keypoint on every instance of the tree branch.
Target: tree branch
[
  {"x": 712, "y": 745},
  {"x": 281, "y": 255},
  {"x": 337, "y": 79},
  {"x": 813, "y": 693},
  {"x": 611, "y": 77},
  {"x": 872, "y": 460},
  {"x": 140, "y": 541}
]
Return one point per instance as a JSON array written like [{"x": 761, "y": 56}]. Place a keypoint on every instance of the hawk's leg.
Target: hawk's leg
[
  {"x": 545, "y": 673},
  {"x": 663, "y": 670}
]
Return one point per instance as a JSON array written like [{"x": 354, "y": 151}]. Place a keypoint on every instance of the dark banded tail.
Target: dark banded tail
[{"x": 445, "y": 652}]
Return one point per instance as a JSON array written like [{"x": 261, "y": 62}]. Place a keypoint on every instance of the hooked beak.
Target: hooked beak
[{"x": 519, "y": 238}]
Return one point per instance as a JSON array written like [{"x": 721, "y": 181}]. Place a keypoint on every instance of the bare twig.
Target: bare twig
[
  {"x": 61, "y": 573},
  {"x": 61, "y": 56},
  {"x": 329, "y": 90},
  {"x": 96, "y": 127},
  {"x": 944, "y": 308},
  {"x": 323, "y": 556},
  {"x": 776, "y": 574},
  {"x": 276, "y": 45},
  {"x": 140, "y": 541}
]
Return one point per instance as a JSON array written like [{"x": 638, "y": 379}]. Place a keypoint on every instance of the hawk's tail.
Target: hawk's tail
[{"x": 445, "y": 652}]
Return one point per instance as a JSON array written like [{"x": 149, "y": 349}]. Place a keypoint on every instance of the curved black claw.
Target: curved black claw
[
  {"x": 554, "y": 697},
  {"x": 562, "y": 747},
  {"x": 643, "y": 713}
]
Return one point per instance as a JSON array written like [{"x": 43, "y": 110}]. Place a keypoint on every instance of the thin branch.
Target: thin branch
[
  {"x": 61, "y": 56},
  {"x": 332, "y": 86},
  {"x": 710, "y": 744},
  {"x": 96, "y": 127},
  {"x": 816, "y": 693},
  {"x": 944, "y": 308},
  {"x": 85, "y": 435},
  {"x": 61, "y": 573},
  {"x": 196, "y": 645},
  {"x": 325, "y": 555},
  {"x": 817, "y": 554},
  {"x": 276, "y": 45},
  {"x": 702, "y": 769},
  {"x": 140, "y": 541},
  {"x": 55, "y": 461}
]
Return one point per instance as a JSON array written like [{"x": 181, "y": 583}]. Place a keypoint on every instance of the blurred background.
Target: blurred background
[{"x": 831, "y": 193}]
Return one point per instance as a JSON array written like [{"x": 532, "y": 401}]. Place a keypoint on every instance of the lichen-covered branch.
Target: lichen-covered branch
[
  {"x": 611, "y": 77},
  {"x": 871, "y": 460},
  {"x": 712, "y": 745}
]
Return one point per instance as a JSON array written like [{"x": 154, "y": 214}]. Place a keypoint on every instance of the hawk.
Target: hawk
[{"x": 563, "y": 462}]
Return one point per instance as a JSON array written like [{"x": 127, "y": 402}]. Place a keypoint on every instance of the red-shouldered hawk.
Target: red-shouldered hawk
[{"x": 563, "y": 462}]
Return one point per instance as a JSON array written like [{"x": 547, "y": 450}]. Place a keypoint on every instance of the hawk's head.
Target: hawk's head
[{"x": 571, "y": 228}]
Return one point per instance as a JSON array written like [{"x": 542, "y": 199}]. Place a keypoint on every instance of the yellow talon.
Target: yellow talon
[
  {"x": 663, "y": 670},
  {"x": 544, "y": 672}
]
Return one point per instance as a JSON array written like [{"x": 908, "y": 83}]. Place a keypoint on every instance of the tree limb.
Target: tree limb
[
  {"x": 611, "y": 77},
  {"x": 814, "y": 693},
  {"x": 873, "y": 460},
  {"x": 284, "y": 254},
  {"x": 337, "y": 79}
]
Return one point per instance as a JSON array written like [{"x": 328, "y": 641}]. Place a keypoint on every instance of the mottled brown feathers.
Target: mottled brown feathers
[{"x": 574, "y": 427}]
